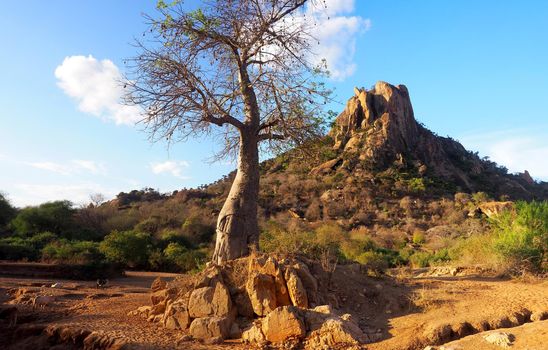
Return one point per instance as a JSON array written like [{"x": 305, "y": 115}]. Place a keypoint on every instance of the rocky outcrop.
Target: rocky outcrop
[
  {"x": 262, "y": 300},
  {"x": 378, "y": 127},
  {"x": 491, "y": 209},
  {"x": 282, "y": 324}
]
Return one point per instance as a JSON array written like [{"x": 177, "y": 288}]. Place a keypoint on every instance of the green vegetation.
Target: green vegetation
[
  {"x": 175, "y": 233},
  {"x": 521, "y": 237}
]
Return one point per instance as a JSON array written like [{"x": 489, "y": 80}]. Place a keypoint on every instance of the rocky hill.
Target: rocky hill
[{"x": 378, "y": 170}]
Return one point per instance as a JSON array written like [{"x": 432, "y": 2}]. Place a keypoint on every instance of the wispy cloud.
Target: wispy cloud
[
  {"x": 336, "y": 31},
  {"x": 33, "y": 194},
  {"x": 174, "y": 168},
  {"x": 96, "y": 86},
  {"x": 517, "y": 149},
  {"x": 76, "y": 166}
]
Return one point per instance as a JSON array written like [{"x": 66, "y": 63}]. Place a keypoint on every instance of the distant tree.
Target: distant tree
[
  {"x": 96, "y": 199},
  {"x": 56, "y": 217},
  {"x": 244, "y": 67},
  {"x": 7, "y": 211},
  {"x": 126, "y": 247}
]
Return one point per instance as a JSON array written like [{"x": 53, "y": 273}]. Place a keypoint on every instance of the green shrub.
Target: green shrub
[
  {"x": 416, "y": 185},
  {"x": 418, "y": 237},
  {"x": 420, "y": 259},
  {"x": 521, "y": 237},
  {"x": 17, "y": 248},
  {"x": 374, "y": 261},
  {"x": 185, "y": 259},
  {"x": 127, "y": 247},
  {"x": 196, "y": 231},
  {"x": 72, "y": 252}
]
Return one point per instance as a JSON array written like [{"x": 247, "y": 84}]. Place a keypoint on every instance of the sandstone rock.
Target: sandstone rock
[
  {"x": 210, "y": 301},
  {"x": 158, "y": 296},
  {"x": 242, "y": 303},
  {"x": 253, "y": 334},
  {"x": 143, "y": 311},
  {"x": 158, "y": 284},
  {"x": 176, "y": 316},
  {"x": 492, "y": 209},
  {"x": 209, "y": 278},
  {"x": 158, "y": 309},
  {"x": 269, "y": 266},
  {"x": 335, "y": 332},
  {"x": 261, "y": 290},
  {"x": 282, "y": 324},
  {"x": 499, "y": 338},
  {"x": 210, "y": 327},
  {"x": 297, "y": 293},
  {"x": 327, "y": 167}
]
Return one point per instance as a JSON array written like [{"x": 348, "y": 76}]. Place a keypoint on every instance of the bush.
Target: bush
[
  {"x": 17, "y": 248},
  {"x": 418, "y": 237},
  {"x": 56, "y": 217},
  {"x": 522, "y": 236},
  {"x": 373, "y": 261},
  {"x": 185, "y": 259},
  {"x": 196, "y": 231},
  {"x": 72, "y": 252},
  {"x": 126, "y": 247},
  {"x": 7, "y": 211}
]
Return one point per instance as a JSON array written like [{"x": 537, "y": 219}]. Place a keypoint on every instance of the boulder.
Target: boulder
[
  {"x": 501, "y": 339},
  {"x": 210, "y": 301},
  {"x": 209, "y": 278},
  {"x": 158, "y": 296},
  {"x": 492, "y": 209},
  {"x": 253, "y": 334},
  {"x": 158, "y": 309},
  {"x": 269, "y": 266},
  {"x": 335, "y": 332},
  {"x": 261, "y": 290},
  {"x": 210, "y": 327},
  {"x": 314, "y": 318},
  {"x": 176, "y": 316},
  {"x": 282, "y": 324},
  {"x": 297, "y": 293},
  {"x": 158, "y": 284}
]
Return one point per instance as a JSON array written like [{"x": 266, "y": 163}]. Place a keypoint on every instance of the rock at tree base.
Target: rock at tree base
[
  {"x": 210, "y": 301},
  {"x": 296, "y": 289},
  {"x": 176, "y": 316},
  {"x": 282, "y": 324},
  {"x": 210, "y": 327},
  {"x": 261, "y": 289},
  {"x": 158, "y": 284}
]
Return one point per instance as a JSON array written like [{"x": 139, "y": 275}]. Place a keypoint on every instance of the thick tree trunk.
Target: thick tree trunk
[{"x": 237, "y": 226}]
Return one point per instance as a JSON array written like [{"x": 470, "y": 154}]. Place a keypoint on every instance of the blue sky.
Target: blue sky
[{"x": 476, "y": 70}]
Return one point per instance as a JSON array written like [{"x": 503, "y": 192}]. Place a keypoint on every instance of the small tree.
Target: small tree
[{"x": 242, "y": 66}]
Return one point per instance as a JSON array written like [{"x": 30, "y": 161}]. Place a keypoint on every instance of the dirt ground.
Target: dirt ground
[{"x": 404, "y": 312}]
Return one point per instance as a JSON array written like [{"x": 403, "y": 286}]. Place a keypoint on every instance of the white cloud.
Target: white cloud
[
  {"x": 34, "y": 194},
  {"x": 336, "y": 33},
  {"x": 73, "y": 167},
  {"x": 174, "y": 168},
  {"x": 96, "y": 86},
  {"x": 518, "y": 150}
]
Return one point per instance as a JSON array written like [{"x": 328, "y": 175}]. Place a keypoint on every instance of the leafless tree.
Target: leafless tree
[
  {"x": 96, "y": 199},
  {"x": 241, "y": 71}
]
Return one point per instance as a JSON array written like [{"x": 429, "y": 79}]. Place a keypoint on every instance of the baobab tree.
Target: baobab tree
[{"x": 239, "y": 70}]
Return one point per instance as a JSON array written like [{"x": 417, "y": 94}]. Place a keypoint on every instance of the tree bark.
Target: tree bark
[{"x": 237, "y": 225}]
